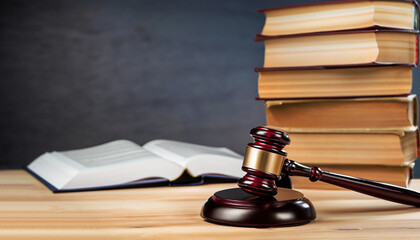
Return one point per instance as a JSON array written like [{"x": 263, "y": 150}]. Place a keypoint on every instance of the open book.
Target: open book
[{"x": 123, "y": 163}]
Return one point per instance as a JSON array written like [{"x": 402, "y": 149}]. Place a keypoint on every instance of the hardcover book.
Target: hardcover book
[
  {"x": 319, "y": 82},
  {"x": 340, "y": 15},
  {"x": 342, "y": 48},
  {"x": 123, "y": 163},
  {"x": 396, "y": 175},
  {"x": 343, "y": 113},
  {"x": 369, "y": 147}
]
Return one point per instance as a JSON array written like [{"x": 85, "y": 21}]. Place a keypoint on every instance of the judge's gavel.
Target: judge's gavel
[
  {"x": 259, "y": 203},
  {"x": 265, "y": 160}
]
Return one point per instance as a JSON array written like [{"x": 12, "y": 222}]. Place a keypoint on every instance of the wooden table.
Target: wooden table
[{"x": 30, "y": 210}]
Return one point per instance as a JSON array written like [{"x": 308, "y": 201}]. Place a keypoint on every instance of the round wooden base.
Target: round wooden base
[{"x": 238, "y": 208}]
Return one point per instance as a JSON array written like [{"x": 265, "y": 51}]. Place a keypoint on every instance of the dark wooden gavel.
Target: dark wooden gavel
[{"x": 265, "y": 160}]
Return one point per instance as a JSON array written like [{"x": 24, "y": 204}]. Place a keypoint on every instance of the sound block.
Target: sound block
[{"x": 236, "y": 207}]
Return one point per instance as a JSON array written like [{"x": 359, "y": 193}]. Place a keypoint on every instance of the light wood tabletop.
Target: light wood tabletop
[{"x": 30, "y": 210}]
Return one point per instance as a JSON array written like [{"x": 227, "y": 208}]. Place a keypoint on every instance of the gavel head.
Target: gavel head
[{"x": 264, "y": 161}]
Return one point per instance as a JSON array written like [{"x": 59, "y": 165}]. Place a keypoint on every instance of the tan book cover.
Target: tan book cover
[
  {"x": 396, "y": 175},
  {"x": 376, "y": 147},
  {"x": 343, "y": 113},
  {"x": 343, "y": 48},
  {"x": 339, "y": 15},
  {"x": 287, "y": 83}
]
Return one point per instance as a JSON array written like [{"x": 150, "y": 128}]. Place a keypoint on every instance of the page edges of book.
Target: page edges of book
[
  {"x": 151, "y": 166},
  {"x": 210, "y": 164},
  {"x": 171, "y": 150},
  {"x": 56, "y": 171}
]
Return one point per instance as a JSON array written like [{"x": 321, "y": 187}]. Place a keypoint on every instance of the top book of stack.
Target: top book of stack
[{"x": 340, "y": 15}]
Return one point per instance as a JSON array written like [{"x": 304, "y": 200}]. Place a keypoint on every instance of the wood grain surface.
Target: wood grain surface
[{"x": 28, "y": 210}]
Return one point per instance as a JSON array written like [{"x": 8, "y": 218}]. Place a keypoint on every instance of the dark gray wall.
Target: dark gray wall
[{"x": 79, "y": 73}]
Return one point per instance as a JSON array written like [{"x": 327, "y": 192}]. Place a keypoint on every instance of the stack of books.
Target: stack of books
[{"x": 337, "y": 77}]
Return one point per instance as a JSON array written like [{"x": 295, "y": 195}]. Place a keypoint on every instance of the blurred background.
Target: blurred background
[{"x": 75, "y": 74}]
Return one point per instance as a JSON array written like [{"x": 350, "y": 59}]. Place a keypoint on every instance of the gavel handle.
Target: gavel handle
[{"x": 376, "y": 189}]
